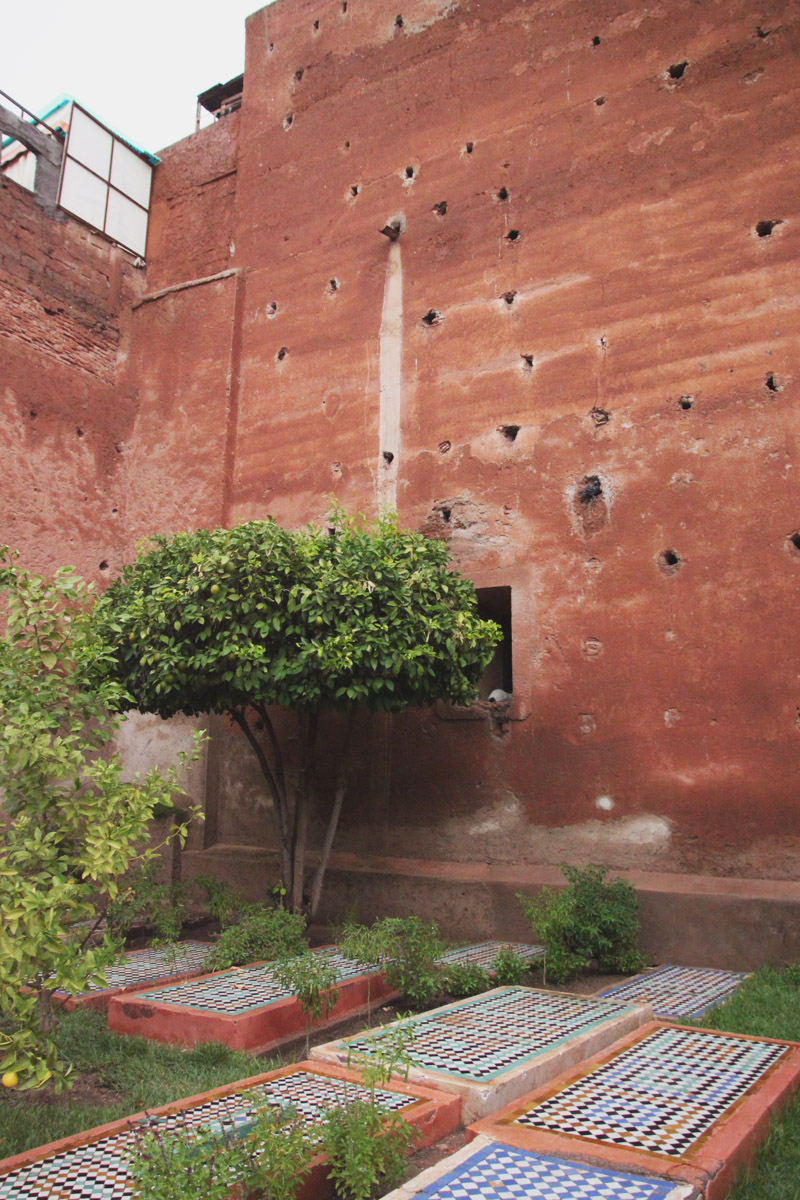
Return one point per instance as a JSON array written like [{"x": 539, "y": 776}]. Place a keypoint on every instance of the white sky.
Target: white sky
[{"x": 137, "y": 66}]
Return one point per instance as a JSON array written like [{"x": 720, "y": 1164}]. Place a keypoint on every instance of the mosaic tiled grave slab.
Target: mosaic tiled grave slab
[
  {"x": 92, "y": 1166},
  {"x": 139, "y": 968},
  {"x": 675, "y": 1101},
  {"x": 683, "y": 993},
  {"x": 491, "y": 1048},
  {"x": 245, "y": 1008},
  {"x": 484, "y": 953},
  {"x": 486, "y": 1169}
]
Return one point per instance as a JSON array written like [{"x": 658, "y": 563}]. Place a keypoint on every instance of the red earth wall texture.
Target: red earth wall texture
[{"x": 637, "y": 331}]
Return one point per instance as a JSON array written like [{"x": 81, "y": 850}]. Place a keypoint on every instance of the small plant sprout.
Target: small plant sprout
[
  {"x": 312, "y": 979},
  {"x": 509, "y": 968}
]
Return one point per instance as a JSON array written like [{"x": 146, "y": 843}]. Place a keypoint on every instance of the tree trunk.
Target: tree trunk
[
  {"x": 333, "y": 822},
  {"x": 278, "y": 793},
  {"x": 308, "y": 740}
]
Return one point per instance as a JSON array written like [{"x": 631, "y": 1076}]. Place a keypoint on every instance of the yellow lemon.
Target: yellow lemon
[{"x": 10, "y": 1079}]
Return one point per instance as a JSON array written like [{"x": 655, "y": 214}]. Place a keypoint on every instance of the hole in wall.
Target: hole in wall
[
  {"x": 677, "y": 70},
  {"x": 316, "y": 25},
  {"x": 79, "y": 431},
  {"x": 399, "y": 22},
  {"x": 501, "y": 194},
  {"x": 344, "y": 6},
  {"x": 118, "y": 447},
  {"x": 432, "y": 317},
  {"x": 333, "y": 286},
  {"x": 590, "y": 489},
  {"x": 282, "y": 353},
  {"x": 469, "y": 147},
  {"x": 388, "y": 457},
  {"x": 33, "y": 414},
  {"x": 272, "y": 308},
  {"x": 346, "y": 146},
  {"x": 794, "y": 539},
  {"x": 288, "y": 121},
  {"x": 527, "y": 362},
  {"x": 669, "y": 561},
  {"x": 508, "y": 297},
  {"x": 685, "y": 402},
  {"x": 271, "y": 47},
  {"x": 595, "y": 40},
  {"x": 600, "y": 101},
  {"x": 355, "y": 189},
  {"x": 602, "y": 343},
  {"x": 441, "y": 208},
  {"x": 114, "y": 512},
  {"x": 103, "y": 566},
  {"x": 771, "y": 384},
  {"x": 600, "y": 416},
  {"x": 765, "y": 228},
  {"x": 762, "y": 33},
  {"x": 445, "y": 513},
  {"x": 509, "y": 432},
  {"x": 513, "y": 235},
  {"x": 444, "y": 447},
  {"x": 299, "y": 73},
  {"x": 409, "y": 172},
  {"x": 494, "y": 604}
]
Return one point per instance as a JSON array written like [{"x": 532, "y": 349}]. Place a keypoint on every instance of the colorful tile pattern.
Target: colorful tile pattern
[
  {"x": 660, "y": 1095},
  {"x": 484, "y": 953},
  {"x": 140, "y": 966},
  {"x": 485, "y": 1036},
  {"x": 504, "y": 1173},
  {"x": 242, "y": 989},
  {"x": 98, "y": 1171},
  {"x": 680, "y": 993}
]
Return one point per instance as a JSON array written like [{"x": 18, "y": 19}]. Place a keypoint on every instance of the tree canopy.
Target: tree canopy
[{"x": 238, "y": 620}]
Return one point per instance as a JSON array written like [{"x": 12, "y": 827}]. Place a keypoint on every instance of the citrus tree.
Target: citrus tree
[
  {"x": 70, "y": 826},
  {"x": 316, "y": 621}
]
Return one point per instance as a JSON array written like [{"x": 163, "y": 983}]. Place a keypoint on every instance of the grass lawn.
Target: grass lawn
[
  {"x": 114, "y": 1077},
  {"x": 768, "y": 1005}
]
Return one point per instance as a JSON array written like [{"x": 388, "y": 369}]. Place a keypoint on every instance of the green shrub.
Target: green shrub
[
  {"x": 269, "y": 1157},
  {"x": 414, "y": 947},
  {"x": 312, "y": 979},
  {"x": 261, "y": 934},
  {"x": 509, "y": 968},
  {"x": 366, "y": 1147},
  {"x": 587, "y": 920},
  {"x": 465, "y": 979}
]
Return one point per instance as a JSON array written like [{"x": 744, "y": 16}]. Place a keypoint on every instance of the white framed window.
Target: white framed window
[{"x": 105, "y": 182}]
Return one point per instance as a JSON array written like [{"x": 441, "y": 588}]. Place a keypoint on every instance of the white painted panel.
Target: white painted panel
[
  {"x": 126, "y": 222},
  {"x": 131, "y": 174},
  {"x": 83, "y": 194},
  {"x": 89, "y": 143}
]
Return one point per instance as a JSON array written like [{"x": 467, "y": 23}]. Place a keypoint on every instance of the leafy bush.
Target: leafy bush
[
  {"x": 412, "y": 949},
  {"x": 270, "y": 1156},
  {"x": 406, "y": 947},
  {"x": 509, "y": 968},
  {"x": 465, "y": 979},
  {"x": 260, "y": 934},
  {"x": 74, "y": 826},
  {"x": 312, "y": 979},
  {"x": 366, "y": 1147},
  {"x": 587, "y": 920}
]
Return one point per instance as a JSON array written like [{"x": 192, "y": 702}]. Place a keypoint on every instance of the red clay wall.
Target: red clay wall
[
  {"x": 656, "y": 705},
  {"x": 65, "y": 297}
]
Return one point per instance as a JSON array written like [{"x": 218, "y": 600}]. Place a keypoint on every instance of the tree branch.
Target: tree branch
[{"x": 333, "y": 822}]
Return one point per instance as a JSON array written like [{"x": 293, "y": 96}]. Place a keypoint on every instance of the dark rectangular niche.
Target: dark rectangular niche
[{"x": 494, "y": 604}]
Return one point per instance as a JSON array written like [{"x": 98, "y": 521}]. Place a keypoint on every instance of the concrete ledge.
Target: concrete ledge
[{"x": 694, "y": 920}]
